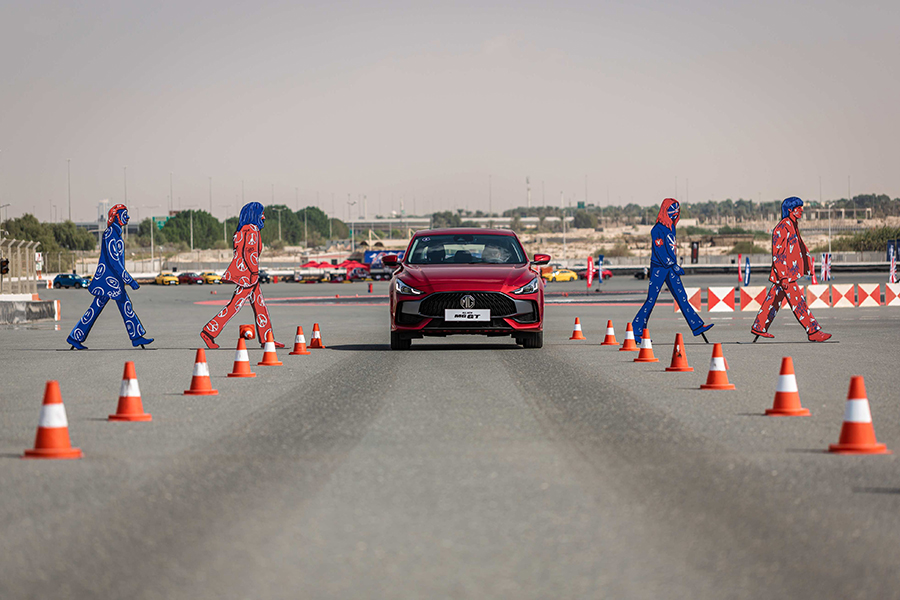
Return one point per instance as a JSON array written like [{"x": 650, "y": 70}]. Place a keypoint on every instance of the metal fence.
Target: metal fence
[{"x": 22, "y": 277}]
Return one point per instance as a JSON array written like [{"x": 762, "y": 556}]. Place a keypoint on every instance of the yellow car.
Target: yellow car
[
  {"x": 166, "y": 279},
  {"x": 210, "y": 277},
  {"x": 561, "y": 275}
]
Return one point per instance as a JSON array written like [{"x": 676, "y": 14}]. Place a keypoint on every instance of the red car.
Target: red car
[
  {"x": 466, "y": 281},
  {"x": 190, "y": 278}
]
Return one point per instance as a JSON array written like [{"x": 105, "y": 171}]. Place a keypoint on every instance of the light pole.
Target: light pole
[
  {"x": 171, "y": 193},
  {"x": 69, "y": 184},
  {"x": 278, "y": 210},
  {"x": 152, "y": 227},
  {"x": 350, "y": 218},
  {"x": 210, "y": 196}
]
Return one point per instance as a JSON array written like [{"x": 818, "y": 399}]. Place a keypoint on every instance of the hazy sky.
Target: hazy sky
[{"x": 427, "y": 99}]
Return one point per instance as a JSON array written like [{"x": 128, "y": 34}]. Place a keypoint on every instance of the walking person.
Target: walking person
[
  {"x": 664, "y": 267},
  {"x": 244, "y": 273},
  {"x": 790, "y": 262},
  {"x": 109, "y": 282}
]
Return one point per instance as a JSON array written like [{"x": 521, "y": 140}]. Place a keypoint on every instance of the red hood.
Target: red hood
[{"x": 477, "y": 277}]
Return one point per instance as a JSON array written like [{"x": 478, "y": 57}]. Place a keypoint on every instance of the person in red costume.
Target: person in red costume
[
  {"x": 790, "y": 262},
  {"x": 244, "y": 273}
]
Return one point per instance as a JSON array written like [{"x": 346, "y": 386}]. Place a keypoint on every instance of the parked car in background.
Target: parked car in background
[
  {"x": 582, "y": 273},
  {"x": 166, "y": 278},
  {"x": 264, "y": 276},
  {"x": 67, "y": 280},
  {"x": 209, "y": 277},
  {"x": 189, "y": 277},
  {"x": 561, "y": 275}
]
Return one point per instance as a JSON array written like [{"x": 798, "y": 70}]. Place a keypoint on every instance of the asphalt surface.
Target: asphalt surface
[{"x": 465, "y": 468}]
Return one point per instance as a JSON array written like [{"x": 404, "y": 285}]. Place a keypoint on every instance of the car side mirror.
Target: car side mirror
[
  {"x": 389, "y": 260},
  {"x": 541, "y": 259}
]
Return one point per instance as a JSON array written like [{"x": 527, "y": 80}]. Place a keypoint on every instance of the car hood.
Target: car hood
[{"x": 443, "y": 278}]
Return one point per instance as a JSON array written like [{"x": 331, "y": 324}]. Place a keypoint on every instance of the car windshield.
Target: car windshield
[{"x": 466, "y": 249}]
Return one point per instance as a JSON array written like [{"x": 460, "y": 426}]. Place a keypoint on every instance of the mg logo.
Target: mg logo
[{"x": 467, "y": 302}]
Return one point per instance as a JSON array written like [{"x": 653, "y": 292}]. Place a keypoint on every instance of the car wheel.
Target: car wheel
[
  {"x": 534, "y": 340},
  {"x": 57, "y": 285},
  {"x": 77, "y": 286},
  {"x": 398, "y": 343}
]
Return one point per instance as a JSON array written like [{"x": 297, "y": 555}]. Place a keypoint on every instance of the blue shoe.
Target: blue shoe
[
  {"x": 703, "y": 329},
  {"x": 76, "y": 345},
  {"x": 141, "y": 341},
  {"x": 637, "y": 336}
]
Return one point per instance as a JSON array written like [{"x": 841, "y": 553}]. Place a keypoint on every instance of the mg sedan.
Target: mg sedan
[{"x": 466, "y": 281}]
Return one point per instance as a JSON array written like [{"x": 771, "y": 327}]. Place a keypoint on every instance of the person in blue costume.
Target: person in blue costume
[
  {"x": 664, "y": 268},
  {"x": 108, "y": 283}
]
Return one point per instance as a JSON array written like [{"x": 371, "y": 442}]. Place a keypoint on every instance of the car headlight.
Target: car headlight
[
  {"x": 530, "y": 287},
  {"x": 402, "y": 288}
]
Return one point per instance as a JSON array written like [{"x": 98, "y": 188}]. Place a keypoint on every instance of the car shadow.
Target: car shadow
[{"x": 423, "y": 347}]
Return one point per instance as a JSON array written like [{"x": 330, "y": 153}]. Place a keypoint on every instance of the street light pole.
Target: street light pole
[{"x": 69, "y": 184}]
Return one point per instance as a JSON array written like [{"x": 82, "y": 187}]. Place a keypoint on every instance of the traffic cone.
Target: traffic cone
[
  {"x": 299, "y": 344},
  {"x": 270, "y": 357},
  {"x": 130, "y": 406},
  {"x": 246, "y": 332},
  {"x": 316, "y": 341},
  {"x": 857, "y": 433},
  {"x": 717, "y": 379},
  {"x": 576, "y": 334},
  {"x": 241, "y": 361},
  {"x": 679, "y": 358},
  {"x": 200, "y": 382},
  {"x": 629, "y": 345},
  {"x": 610, "y": 339},
  {"x": 787, "y": 399},
  {"x": 52, "y": 440},
  {"x": 646, "y": 353}
]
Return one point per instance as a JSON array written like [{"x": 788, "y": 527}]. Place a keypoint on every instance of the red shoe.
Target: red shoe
[
  {"x": 761, "y": 333},
  {"x": 819, "y": 336},
  {"x": 208, "y": 340}
]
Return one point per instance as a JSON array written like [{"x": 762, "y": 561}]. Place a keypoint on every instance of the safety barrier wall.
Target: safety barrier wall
[{"x": 837, "y": 295}]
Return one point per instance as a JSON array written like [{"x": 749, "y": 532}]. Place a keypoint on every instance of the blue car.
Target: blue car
[{"x": 67, "y": 280}]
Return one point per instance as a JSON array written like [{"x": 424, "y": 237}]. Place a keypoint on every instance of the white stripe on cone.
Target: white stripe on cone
[
  {"x": 610, "y": 331},
  {"x": 646, "y": 345},
  {"x": 269, "y": 347},
  {"x": 717, "y": 364},
  {"x": 53, "y": 416},
  {"x": 300, "y": 339},
  {"x": 129, "y": 389},
  {"x": 241, "y": 356},
  {"x": 316, "y": 335},
  {"x": 201, "y": 369},
  {"x": 786, "y": 383},
  {"x": 856, "y": 411},
  {"x": 629, "y": 335},
  {"x": 577, "y": 326}
]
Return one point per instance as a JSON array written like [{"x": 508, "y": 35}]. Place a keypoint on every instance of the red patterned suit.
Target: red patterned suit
[
  {"x": 244, "y": 273},
  {"x": 790, "y": 262}
]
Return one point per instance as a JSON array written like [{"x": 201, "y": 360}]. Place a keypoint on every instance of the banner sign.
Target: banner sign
[
  {"x": 590, "y": 271},
  {"x": 373, "y": 257},
  {"x": 747, "y": 272}
]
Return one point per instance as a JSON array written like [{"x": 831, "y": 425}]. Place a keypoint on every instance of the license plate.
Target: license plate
[{"x": 463, "y": 314}]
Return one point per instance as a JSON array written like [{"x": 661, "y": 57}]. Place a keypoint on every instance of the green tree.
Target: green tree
[{"x": 584, "y": 220}]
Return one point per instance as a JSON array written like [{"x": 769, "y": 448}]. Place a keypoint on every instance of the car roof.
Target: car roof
[{"x": 465, "y": 231}]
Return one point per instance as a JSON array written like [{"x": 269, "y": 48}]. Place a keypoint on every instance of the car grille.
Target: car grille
[{"x": 499, "y": 304}]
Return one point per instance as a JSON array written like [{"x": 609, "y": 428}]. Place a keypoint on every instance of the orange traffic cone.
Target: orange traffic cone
[
  {"x": 130, "y": 406},
  {"x": 717, "y": 379},
  {"x": 628, "y": 345},
  {"x": 576, "y": 334},
  {"x": 646, "y": 353},
  {"x": 241, "y": 361},
  {"x": 270, "y": 357},
  {"x": 787, "y": 399},
  {"x": 857, "y": 433},
  {"x": 201, "y": 385},
  {"x": 679, "y": 358},
  {"x": 52, "y": 440},
  {"x": 316, "y": 341},
  {"x": 300, "y": 343},
  {"x": 246, "y": 332},
  {"x": 610, "y": 339}
]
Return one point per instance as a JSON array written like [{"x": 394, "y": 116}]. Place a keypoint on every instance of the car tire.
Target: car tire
[
  {"x": 57, "y": 285},
  {"x": 398, "y": 342},
  {"x": 77, "y": 286},
  {"x": 533, "y": 340}
]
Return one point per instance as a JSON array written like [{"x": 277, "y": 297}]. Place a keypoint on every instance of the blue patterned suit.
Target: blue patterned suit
[{"x": 108, "y": 283}]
